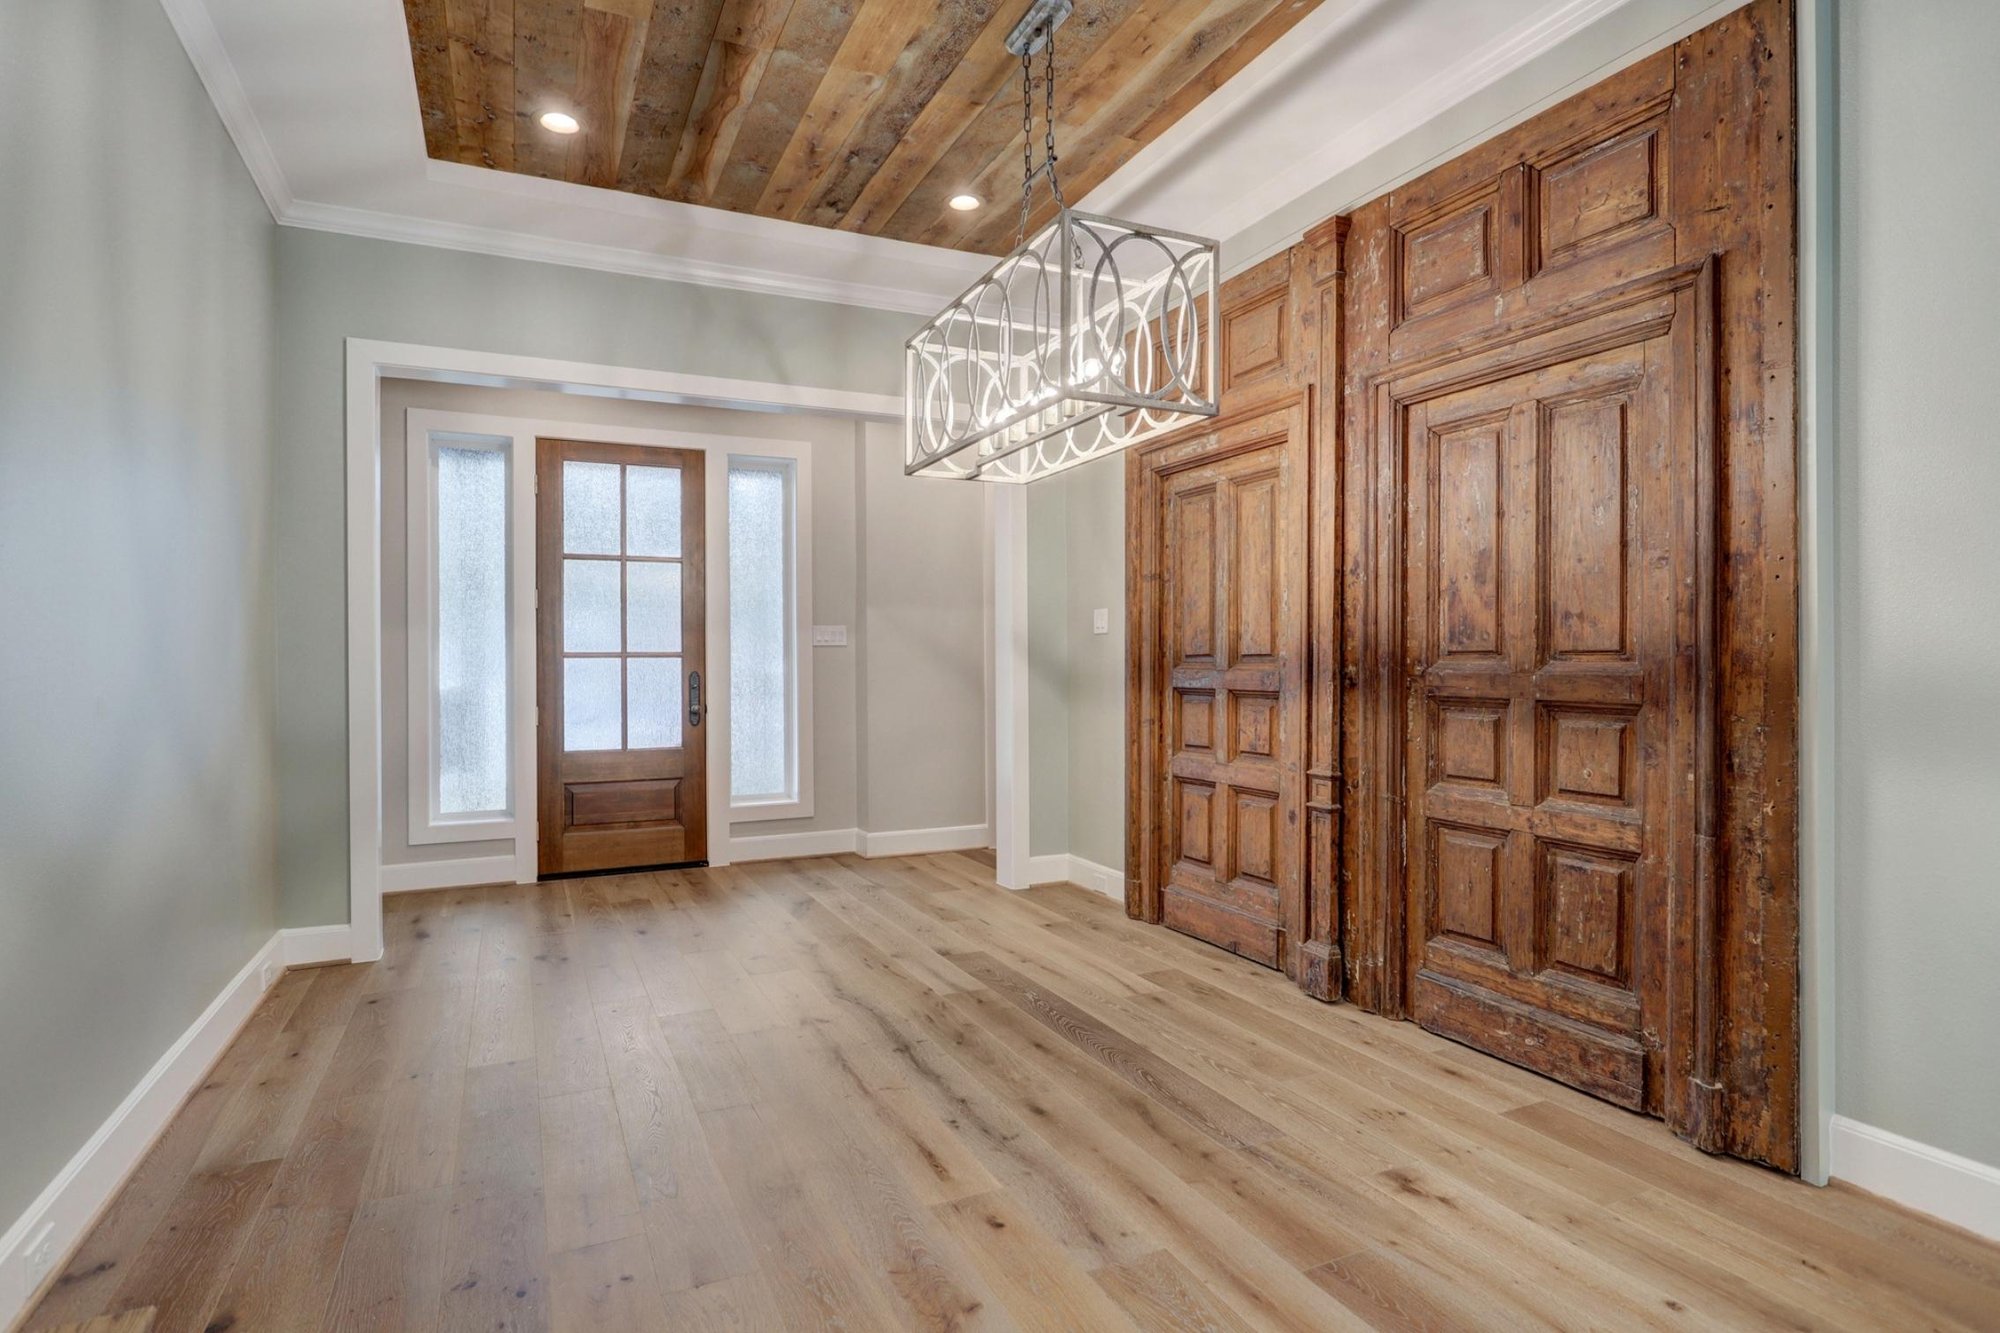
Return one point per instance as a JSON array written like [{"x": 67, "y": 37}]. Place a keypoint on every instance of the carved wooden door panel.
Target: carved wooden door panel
[
  {"x": 1226, "y": 613},
  {"x": 1541, "y": 606}
]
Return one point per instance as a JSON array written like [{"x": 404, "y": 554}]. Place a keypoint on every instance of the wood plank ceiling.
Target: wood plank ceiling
[{"x": 865, "y": 115}]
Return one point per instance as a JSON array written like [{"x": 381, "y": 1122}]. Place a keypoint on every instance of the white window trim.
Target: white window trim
[
  {"x": 422, "y": 430},
  {"x": 795, "y": 462}
]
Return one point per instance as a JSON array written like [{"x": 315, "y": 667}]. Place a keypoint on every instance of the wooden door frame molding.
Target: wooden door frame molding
[
  {"x": 368, "y": 363},
  {"x": 1678, "y": 303}
]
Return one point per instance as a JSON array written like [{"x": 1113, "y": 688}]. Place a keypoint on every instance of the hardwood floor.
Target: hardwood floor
[{"x": 887, "y": 1094}]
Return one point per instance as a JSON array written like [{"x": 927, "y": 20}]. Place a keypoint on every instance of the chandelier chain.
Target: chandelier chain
[{"x": 1028, "y": 168}]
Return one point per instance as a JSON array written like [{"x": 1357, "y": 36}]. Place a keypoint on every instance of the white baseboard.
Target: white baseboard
[
  {"x": 784, "y": 846},
  {"x": 1949, "y": 1187},
  {"x": 306, "y": 946},
  {"x": 1062, "y": 869},
  {"x": 415, "y": 875},
  {"x": 918, "y": 841},
  {"x": 857, "y": 842},
  {"x": 56, "y": 1223}
]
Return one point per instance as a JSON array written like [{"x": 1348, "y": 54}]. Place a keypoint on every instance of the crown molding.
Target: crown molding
[
  {"x": 203, "y": 44},
  {"x": 311, "y": 216}
]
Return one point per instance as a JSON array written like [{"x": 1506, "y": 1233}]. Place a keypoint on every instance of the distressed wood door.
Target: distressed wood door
[
  {"x": 1545, "y": 580},
  {"x": 1223, "y": 627},
  {"x": 619, "y": 656}
]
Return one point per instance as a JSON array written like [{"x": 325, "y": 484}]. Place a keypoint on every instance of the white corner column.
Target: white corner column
[{"x": 1009, "y": 508}]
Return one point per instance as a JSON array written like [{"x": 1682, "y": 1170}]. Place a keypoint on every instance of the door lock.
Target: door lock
[{"x": 694, "y": 698}]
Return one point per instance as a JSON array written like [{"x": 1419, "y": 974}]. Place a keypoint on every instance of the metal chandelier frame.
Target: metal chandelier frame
[{"x": 1093, "y": 335}]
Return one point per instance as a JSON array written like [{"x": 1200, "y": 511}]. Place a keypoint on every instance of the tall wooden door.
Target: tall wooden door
[
  {"x": 1222, "y": 620},
  {"x": 1569, "y": 663},
  {"x": 622, "y": 692},
  {"x": 1548, "y": 579}
]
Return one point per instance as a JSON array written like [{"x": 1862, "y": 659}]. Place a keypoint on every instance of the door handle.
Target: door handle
[{"x": 694, "y": 698}]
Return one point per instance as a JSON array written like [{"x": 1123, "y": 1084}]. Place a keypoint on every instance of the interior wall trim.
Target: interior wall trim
[
  {"x": 462, "y": 872},
  {"x": 309, "y": 946},
  {"x": 1068, "y": 868},
  {"x": 1954, "y": 1189},
  {"x": 40, "y": 1242},
  {"x": 859, "y": 842}
]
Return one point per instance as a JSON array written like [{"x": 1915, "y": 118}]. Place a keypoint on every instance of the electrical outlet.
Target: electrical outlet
[
  {"x": 1100, "y": 621},
  {"x": 269, "y": 974},
  {"x": 41, "y": 1252},
  {"x": 829, "y": 636}
]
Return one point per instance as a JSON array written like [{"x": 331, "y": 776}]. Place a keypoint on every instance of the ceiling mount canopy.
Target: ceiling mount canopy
[{"x": 1091, "y": 336}]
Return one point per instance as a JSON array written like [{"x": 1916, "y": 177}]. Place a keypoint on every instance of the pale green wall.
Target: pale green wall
[
  {"x": 335, "y": 287},
  {"x": 136, "y": 291},
  {"x": 1917, "y": 750},
  {"x": 1048, "y": 667}
]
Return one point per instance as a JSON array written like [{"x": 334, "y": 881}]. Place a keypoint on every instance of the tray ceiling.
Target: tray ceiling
[{"x": 862, "y": 115}]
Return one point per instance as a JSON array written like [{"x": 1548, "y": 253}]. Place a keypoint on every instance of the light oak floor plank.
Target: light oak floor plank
[{"x": 887, "y": 1094}]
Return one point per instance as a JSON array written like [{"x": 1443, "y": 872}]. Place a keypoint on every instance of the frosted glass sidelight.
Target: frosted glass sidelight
[
  {"x": 760, "y": 743},
  {"x": 652, "y": 608},
  {"x": 590, "y": 606},
  {"x": 471, "y": 631},
  {"x": 652, "y": 511},
  {"x": 590, "y": 508},
  {"x": 591, "y": 718},
  {"x": 653, "y": 702}
]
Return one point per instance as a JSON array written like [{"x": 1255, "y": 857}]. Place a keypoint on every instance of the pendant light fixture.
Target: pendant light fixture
[{"x": 1093, "y": 335}]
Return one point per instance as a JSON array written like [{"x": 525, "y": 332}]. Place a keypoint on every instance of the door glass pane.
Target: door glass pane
[
  {"x": 591, "y": 714},
  {"x": 653, "y": 511},
  {"x": 759, "y": 614},
  {"x": 590, "y": 606},
  {"x": 652, "y": 608},
  {"x": 471, "y": 630},
  {"x": 590, "y": 508},
  {"x": 653, "y": 701}
]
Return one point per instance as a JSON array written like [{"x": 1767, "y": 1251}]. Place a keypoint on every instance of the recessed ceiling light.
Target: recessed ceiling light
[
  {"x": 559, "y": 122},
  {"x": 965, "y": 203}
]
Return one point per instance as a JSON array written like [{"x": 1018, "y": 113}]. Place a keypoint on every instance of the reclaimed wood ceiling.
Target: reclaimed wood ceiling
[{"x": 865, "y": 115}]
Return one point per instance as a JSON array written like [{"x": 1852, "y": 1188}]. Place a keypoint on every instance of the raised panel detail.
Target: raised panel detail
[
  {"x": 1599, "y": 196},
  {"x": 1190, "y": 559},
  {"x": 1465, "y": 875},
  {"x": 600, "y": 803},
  {"x": 1256, "y": 731},
  {"x": 1253, "y": 834},
  {"x": 1586, "y": 559},
  {"x": 1254, "y": 590},
  {"x": 1585, "y": 912},
  {"x": 1253, "y": 338},
  {"x": 1469, "y": 742},
  {"x": 1588, "y": 754},
  {"x": 1194, "y": 821},
  {"x": 1465, "y": 540},
  {"x": 1195, "y": 729},
  {"x": 1446, "y": 260}
]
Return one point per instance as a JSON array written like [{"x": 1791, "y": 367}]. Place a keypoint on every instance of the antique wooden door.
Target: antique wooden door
[
  {"x": 1222, "y": 618},
  {"x": 1548, "y": 577},
  {"x": 619, "y": 658}
]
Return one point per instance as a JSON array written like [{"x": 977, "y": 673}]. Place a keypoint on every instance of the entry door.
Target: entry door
[
  {"x": 1543, "y": 583},
  {"x": 622, "y": 689},
  {"x": 1223, "y": 669}
]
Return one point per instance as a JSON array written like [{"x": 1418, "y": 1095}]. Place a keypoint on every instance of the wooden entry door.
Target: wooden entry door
[
  {"x": 619, "y": 658},
  {"x": 1549, "y": 586},
  {"x": 1221, "y": 629}
]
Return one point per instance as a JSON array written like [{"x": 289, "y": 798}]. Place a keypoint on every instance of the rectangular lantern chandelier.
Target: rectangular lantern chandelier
[{"x": 1093, "y": 335}]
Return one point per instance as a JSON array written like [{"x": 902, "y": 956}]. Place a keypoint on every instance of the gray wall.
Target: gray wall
[
  {"x": 335, "y": 287},
  {"x": 1917, "y": 748},
  {"x": 136, "y": 292}
]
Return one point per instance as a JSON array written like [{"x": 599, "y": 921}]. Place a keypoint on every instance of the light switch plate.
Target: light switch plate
[
  {"x": 1100, "y": 621},
  {"x": 829, "y": 636}
]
